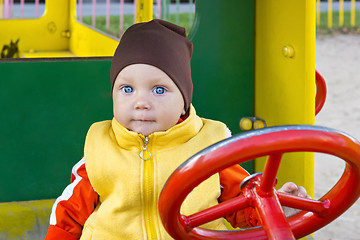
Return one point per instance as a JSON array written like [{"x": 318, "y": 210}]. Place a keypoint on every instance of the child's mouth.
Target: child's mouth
[{"x": 144, "y": 120}]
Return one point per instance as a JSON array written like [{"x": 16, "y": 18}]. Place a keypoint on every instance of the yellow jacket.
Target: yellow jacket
[{"x": 129, "y": 187}]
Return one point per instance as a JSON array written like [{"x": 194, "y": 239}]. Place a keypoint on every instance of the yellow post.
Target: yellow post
[
  {"x": 317, "y": 12},
  {"x": 341, "y": 13},
  {"x": 285, "y": 77},
  {"x": 144, "y": 10},
  {"x": 352, "y": 17},
  {"x": 329, "y": 13},
  {"x": 1, "y": 9}
]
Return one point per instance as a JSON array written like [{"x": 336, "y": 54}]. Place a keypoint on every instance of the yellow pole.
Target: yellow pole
[
  {"x": 284, "y": 77},
  {"x": 317, "y": 12},
  {"x": 144, "y": 10},
  {"x": 329, "y": 13},
  {"x": 352, "y": 18},
  {"x": 341, "y": 13},
  {"x": 1, "y": 9}
]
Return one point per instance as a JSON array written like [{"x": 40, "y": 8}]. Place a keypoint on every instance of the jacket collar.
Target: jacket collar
[{"x": 176, "y": 135}]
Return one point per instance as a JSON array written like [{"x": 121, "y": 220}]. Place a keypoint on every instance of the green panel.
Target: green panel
[
  {"x": 46, "y": 110},
  {"x": 223, "y": 61}
]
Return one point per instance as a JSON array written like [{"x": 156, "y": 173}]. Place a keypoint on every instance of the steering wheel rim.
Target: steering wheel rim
[{"x": 249, "y": 145}]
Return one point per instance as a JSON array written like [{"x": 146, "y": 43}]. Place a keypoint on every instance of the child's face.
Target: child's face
[{"x": 146, "y": 100}]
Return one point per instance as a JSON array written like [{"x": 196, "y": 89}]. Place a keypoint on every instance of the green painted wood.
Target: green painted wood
[
  {"x": 46, "y": 110},
  {"x": 223, "y": 61}
]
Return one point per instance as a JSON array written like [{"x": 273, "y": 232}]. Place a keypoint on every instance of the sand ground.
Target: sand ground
[{"x": 338, "y": 60}]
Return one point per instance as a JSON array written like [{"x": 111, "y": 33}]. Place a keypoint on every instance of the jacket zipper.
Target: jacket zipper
[{"x": 149, "y": 214}]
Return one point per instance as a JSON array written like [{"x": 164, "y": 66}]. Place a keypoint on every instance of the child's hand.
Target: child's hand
[{"x": 292, "y": 189}]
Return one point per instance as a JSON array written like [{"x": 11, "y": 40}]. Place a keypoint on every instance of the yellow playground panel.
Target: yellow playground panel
[{"x": 56, "y": 34}]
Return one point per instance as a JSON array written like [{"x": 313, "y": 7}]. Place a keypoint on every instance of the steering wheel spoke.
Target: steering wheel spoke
[
  {"x": 221, "y": 210},
  {"x": 270, "y": 171},
  {"x": 321, "y": 208}
]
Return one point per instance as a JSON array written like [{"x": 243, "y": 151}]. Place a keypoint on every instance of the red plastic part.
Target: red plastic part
[
  {"x": 320, "y": 92},
  {"x": 259, "y": 191}
]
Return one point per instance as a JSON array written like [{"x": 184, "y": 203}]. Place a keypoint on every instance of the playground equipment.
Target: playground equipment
[
  {"x": 259, "y": 190},
  {"x": 248, "y": 123},
  {"x": 56, "y": 33},
  {"x": 320, "y": 96},
  {"x": 262, "y": 68},
  {"x": 61, "y": 32}
]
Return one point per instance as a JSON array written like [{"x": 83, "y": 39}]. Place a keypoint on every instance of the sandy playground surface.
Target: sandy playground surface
[{"x": 338, "y": 60}]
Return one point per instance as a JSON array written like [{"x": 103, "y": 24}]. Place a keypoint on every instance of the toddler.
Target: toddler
[{"x": 114, "y": 189}]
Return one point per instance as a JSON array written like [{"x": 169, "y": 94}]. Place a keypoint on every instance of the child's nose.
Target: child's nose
[{"x": 142, "y": 103}]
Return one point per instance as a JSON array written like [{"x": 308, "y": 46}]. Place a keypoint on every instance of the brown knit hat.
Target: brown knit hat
[{"x": 160, "y": 44}]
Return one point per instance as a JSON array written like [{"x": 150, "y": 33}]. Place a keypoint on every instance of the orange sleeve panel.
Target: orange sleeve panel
[
  {"x": 230, "y": 180},
  {"x": 73, "y": 207},
  {"x": 55, "y": 232}
]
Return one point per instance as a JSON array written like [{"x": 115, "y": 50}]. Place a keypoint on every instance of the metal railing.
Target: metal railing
[
  {"x": 337, "y": 14},
  {"x": 115, "y": 17},
  {"x": 111, "y": 16},
  {"x": 12, "y": 9}
]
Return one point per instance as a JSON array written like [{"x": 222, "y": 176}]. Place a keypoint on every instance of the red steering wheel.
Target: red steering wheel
[
  {"x": 320, "y": 92},
  {"x": 258, "y": 191}
]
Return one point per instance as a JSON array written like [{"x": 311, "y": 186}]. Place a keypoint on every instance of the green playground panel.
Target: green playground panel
[
  {"x": 223, "y": 61},
  {"x": 47, "y": 107}
]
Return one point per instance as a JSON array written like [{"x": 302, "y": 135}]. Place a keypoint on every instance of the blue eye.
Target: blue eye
[
  {"x": 127, "y": 89},
  {"x": 159, "y": 90}
]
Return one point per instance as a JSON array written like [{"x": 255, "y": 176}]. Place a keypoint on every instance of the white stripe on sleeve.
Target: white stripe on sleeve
[
  {"x": 68, "y": 191},
  {"x": 228, "y": 132}
]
